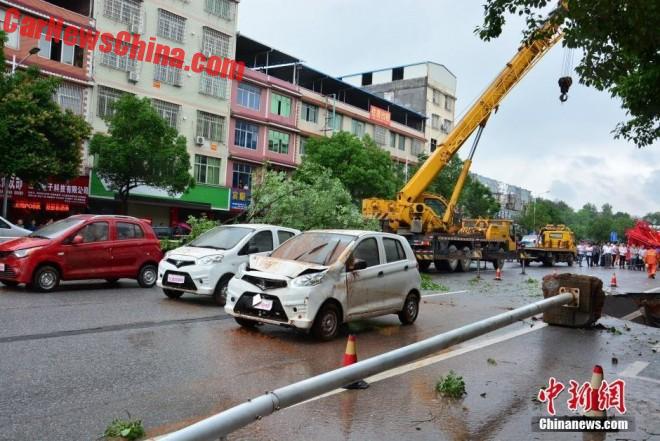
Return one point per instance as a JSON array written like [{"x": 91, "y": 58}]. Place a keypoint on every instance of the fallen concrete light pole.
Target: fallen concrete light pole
[{"x": 224, "y": 423}]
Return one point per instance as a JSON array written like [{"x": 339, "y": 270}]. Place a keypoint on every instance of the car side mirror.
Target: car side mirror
[
  {"x": 358, "y": 264},
  {"x": 78, "y": 239}
]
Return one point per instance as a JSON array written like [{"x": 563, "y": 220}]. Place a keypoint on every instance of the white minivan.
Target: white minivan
[
  {"x": 322, "y": 278},
  {"x": 205, "y": 265}
]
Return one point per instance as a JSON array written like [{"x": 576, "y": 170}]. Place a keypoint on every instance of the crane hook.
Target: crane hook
[{"x": 564, "y": 85}]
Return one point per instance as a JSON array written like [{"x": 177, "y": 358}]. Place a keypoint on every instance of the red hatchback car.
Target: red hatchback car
[{"x": 82, "y": 247}]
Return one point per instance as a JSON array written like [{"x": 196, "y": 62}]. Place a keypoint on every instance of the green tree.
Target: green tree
[
  {"x": 619, "y": 42},
  {"x": 652, "y": 218},
  {"x": 140, "y": 149},
  {"x": 478, "y": 201},
  {"x": 364, "y": 168},
  {"x": 37, "y": 139},
  {"x": 311, "y": 198}
]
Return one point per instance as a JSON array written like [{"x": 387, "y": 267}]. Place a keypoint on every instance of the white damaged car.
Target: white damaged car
[{"x": 320, "y": 279}]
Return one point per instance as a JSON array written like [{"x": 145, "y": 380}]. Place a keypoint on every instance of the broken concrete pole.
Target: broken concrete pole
[{"x": 591, "y": 299}]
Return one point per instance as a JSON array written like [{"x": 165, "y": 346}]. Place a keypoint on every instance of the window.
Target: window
[
  {"x": 106, "y": 99},
  {"x": 246, "y": 135},
  {"x": 260, "y": 242},
  {"x": 310, "y": 112},
  {"x": 367, "y": 78},
  {"x": 124, "y": 11},
  {"x": 242, "y": 176},
  {"x": 128, "y": 231},
  {"x": 416, "y": 147},
  {"x": 171, "y": 26},
  {"x": 434, "y": 144},
  {"x": 402, "y": 143},
  {"x": 213, "y": 86},
  {"x": 393, "y": 140},
  {"x": 397, "y": 74},
  {"x": 12, "y": 38},
  {"x": 367, "y": 250},
  {"x": 58, "y": 51},
  {"x": 168, "y": 111},
  {"x": 435, "y": 121},
  {"x": 70, "y": 96},
  {"x": 380, "y": 135},
  {"x": 278, "y": 142},
  {"x": 358, "y": 128},
  {"x": 210, "y": 126},
  {"x": 283, "y": 236},
  {"x": 221, "y": 8},
  {"x": 335, "y": 122},
  {"x": 449, "y": 103},
  {"x": 446, "y": 126},
  {"x": 94, "y": 232},
  {"x": 114, "y": 61},
  {"x": 393, "y": 250},
  {"x": 215, "y": 43},
  {"x": 207, "y": 170},
  {"x": 303, "y": 144},
  {"x": 248, "y": 96},
  {"x": 437, "y": 97},
  {"x": 280, "y": 105},
  {"x": 168, "y": 74}
]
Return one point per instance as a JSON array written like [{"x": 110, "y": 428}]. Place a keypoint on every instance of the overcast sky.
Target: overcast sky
[{"x": 534, "y": 141}]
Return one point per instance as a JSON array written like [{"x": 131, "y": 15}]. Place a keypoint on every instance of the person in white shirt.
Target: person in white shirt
[
  {"x": 607, "y": 255},
  {"x": 589, "y": 252},
  {"x": 580, "y": 253},
  {"x": 623, "y": 250}
]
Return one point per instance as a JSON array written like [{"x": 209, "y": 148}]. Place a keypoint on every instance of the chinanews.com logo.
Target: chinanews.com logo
[
  {"x": 123, "y": 44},
  {"x": 590, "y": 401}
]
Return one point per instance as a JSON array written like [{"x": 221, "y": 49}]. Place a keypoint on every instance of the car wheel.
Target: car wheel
[
  {"x": 147, "y": 275},
  {"x": 424, "y": 265},
  {"x": 220, "y": 292},
  {"x": 251, "y": 324},
  {"x": 172, "y": 293},
  {"x": 327, "y": 322},
  {"x": 46, "y": 279},
  {"x": 9, "y": 283},
  {"x": 410, "y": 310}
]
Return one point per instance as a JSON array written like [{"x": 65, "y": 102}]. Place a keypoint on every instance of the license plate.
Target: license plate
[
  {"x": 2, "y": 267},
  {"x": 175, "y": 278},
  {"x": 265, "y": 305}
]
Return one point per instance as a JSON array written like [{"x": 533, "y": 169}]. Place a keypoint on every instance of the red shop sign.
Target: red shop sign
[{"x": 74, "y": 191}]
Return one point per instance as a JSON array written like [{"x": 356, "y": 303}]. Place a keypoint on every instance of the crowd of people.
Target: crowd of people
[
  {"x": 32, "y": 225},
  {"x": 619, "y": 255}
]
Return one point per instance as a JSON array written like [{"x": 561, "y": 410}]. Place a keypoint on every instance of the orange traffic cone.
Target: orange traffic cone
[
  {"x": 596, "y": 382},
  {"x": 350, "y": 357},
  {"x": 498, "y": 274},
  {"x": 613, "y": 281}
]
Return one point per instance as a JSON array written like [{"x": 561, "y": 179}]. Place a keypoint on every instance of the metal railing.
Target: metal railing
[{"x": 224, "y": 423}]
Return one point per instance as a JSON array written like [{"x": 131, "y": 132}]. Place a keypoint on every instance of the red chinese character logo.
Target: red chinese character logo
[
  {"x": 582, "y": 396},
  {"x": 550, "y": 393},
  {"x": 612, "y": 395}
]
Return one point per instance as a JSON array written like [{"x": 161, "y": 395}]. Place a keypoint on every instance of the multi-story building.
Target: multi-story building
[
  {"x": 428, "y": 88},
  {"x": 32, "y": 46},
  {"x": 196, "y": 104},
  {"x": 512, "y": 199}
]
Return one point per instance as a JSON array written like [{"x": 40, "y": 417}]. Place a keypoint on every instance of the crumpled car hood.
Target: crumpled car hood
[{"x": 281, "y": 267}]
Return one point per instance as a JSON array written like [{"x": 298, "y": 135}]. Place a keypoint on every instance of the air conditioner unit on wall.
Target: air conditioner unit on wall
[
  {"x": 199, "y": 140},
  {"x": 133, "y": 76}
]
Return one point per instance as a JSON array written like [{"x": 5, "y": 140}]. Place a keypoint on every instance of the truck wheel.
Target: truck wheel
[
  {"x": 327, "y": 322},
  {"x": 464, "y": 264},
  {"x": 424, "y": 265},
  {"x": 452, "y": 264},
  {"x": 549, "y": 261}
]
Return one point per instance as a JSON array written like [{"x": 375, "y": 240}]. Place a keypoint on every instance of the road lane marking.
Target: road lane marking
[
  {"x": 444, "y": 293},
  {"x": 633, "y": 370},
  {"x": 633, "y": 315},
  {"x": 438, "y": 358},
  {"x": 652, "y": 290}
]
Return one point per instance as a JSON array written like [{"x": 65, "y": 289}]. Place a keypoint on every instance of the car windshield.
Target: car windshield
[
  {"x": 318, "y": 248},
  {"x": 57, "y": 228},
  {"x": 221, "y": 238}
]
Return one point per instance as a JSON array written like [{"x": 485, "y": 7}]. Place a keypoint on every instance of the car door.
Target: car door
[
  {"x": 91, "y": 258},
  {"x": 396, "y": 273},
  {"x": 283, "y": 236},
  {"x": 126, "y": 248},
  {"x": 363, "y": 286}
]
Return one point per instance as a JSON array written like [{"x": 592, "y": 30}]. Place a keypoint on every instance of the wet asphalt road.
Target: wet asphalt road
[{"x": 73, "y": 360}]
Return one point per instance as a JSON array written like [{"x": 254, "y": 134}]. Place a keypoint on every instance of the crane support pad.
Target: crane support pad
[{"x": 589, "y": 306}]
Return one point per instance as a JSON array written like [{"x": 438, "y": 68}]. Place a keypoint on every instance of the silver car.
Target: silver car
[
  {"x": 10, "y": 231},
  {"x": 322, "y": 278}
]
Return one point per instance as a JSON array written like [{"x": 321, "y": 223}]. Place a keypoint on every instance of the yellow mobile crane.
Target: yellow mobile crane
[{"x": 427, "y": 220}]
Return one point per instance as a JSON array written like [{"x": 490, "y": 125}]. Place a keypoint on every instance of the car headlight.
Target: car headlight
[
  {"x": 309, "y": 279},
  {"x": 210, "y": 259},
  {"x": 25, "y": 252},
  {"x": 240, "y": 271}
]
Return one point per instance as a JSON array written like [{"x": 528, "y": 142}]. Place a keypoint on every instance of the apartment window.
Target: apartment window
[
  {"x": 402, "y": 143},
  {"x": 367, "y": 79},
  {"x": 246, "y": 135},
  {"x": 335, "y": 121},
  {"x": 437, "y": 97},
  {"x": 449, "y": 103},
  {"x": 171, "y": 26},
  {"x": 168, "y": 111},
  {"x": 416, "y": 147},
  {"x": 397, "y": 74},
  {"x": 60, "y": 52},
  {"x": 213, "y": 86},
  {"x": 434, "y": 144},
  {"x": 310, "y": 112},
  {"x": 114, "y": 61},
  {"x": 242, "y": 176},
  {"x": 278, "y": 142},
  {"x": 13, "y": 38},
  {"x": 207, "y": 170},
  {"x": 210, "y": 126},
  {"x": 435, "y": 121},
  {"x": 215, "y": 43},
  {"x": 303, "y": 145},
  {"x": 168, "y": 74},
  {"x": 280, "y": 105},
  {"x": 70, "y": 97},
  {"x": 446, "y": 126},
  {"x": 358, "y": 128},
  {"x": 248, "y": 96},
  {"x": 393, "y": 140},
  {"x": 124, "y": 11},
  {"x": 221, "y": 8},
  {"x": 380, "y": 135},
  {"x": 106, "y": 99}
]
